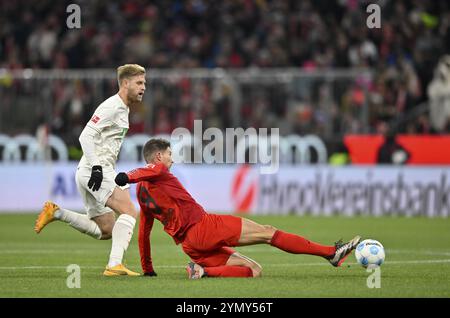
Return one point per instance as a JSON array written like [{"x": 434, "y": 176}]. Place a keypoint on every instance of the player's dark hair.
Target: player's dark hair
[{"x": 154, "y": 145}]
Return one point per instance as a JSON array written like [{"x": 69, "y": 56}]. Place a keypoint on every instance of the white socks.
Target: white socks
[
  {"x": 80, "y": 222},
  {"x": 121, "y": 233},
  {"x": 121, "y": 236}
]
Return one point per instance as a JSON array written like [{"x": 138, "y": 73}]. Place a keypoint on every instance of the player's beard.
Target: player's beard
[{"x": 135, "y": 97}]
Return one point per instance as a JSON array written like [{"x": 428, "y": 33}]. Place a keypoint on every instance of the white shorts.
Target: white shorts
[{"x": 95, "y": 201}]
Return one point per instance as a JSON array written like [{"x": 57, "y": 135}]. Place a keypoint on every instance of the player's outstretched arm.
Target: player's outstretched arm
[
  {"x": 140, "y": 174},
  {"x": 145, "y": 228}
]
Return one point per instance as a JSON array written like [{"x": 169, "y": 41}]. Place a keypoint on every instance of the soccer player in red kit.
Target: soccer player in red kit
[{"x": 207, "y": 238}]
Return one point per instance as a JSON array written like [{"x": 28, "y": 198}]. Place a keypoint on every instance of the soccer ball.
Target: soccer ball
[{"x": 370, "y": 253}]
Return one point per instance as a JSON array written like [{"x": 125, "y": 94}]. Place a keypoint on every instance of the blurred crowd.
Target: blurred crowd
[{"x": 308, "y": 34}]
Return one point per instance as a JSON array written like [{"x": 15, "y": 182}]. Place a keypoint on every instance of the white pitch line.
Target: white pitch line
[
  {"x": 243, "y": 250},
  {"x": 49, "y": 251},
  {"x": 428, "y": 261},
  {"x": 64, "y": 267},
  {"x": 425, "y": 261},
  {"x": 418, "y": 252}
]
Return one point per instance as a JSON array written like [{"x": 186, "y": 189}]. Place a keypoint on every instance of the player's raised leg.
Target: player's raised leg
[
  {"x": 52, "y": 212},
  {"x": 98, "y": 222},
  {"x": 254, "y": 233},
  {"x": 122, "y": 231}
]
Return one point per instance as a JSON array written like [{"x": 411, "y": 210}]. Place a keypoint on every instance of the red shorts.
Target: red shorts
[{"x": 207, "y": 242}]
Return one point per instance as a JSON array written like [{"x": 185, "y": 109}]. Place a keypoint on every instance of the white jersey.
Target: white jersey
[{"x": 110, "y": 122}]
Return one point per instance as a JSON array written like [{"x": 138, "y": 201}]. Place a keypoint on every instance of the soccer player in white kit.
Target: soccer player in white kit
[{"x": 100, "y": 141}]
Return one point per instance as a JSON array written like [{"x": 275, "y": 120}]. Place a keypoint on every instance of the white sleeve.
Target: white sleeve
[
  {"x": 87, "y": 143},
  {"x": 101, "y": 119}
]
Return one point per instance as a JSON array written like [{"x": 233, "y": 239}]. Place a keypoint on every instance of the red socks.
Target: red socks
[
  {"x": 287, "y": 242},
  {"x": 228, "y": 271},
  {"x": 296, "y": 244}
]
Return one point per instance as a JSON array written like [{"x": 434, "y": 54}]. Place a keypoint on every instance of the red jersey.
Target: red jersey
[{"x": 162, "y": 196}]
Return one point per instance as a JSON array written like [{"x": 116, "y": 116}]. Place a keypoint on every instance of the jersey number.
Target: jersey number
[{"x": 148, "y": 201}]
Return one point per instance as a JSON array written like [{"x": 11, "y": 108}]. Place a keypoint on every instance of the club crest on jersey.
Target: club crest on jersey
[{"x": 95, "y": 119}]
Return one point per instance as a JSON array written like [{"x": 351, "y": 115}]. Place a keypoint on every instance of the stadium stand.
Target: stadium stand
[{"x": 233, "y": 35}]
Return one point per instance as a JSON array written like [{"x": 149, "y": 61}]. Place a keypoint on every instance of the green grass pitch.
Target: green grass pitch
[{"x": 417, "y": 262}]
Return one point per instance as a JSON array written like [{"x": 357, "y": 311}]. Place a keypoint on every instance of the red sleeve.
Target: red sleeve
[
  {"x": 149, "y": 172},
  {"x": 145, "y": 227}
]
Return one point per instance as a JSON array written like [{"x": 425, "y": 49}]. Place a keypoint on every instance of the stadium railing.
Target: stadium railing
[{"x": 295, "y": 100}]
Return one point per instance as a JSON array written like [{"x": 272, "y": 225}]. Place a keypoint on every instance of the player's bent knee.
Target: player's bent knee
[
  {"x": 106, "y": 236},
  {"x": 106, "y": 224},
  {"x": 106, "y": 232}
]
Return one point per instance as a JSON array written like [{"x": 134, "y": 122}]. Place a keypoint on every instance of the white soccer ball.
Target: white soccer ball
[{"x": 370, "y": 253}]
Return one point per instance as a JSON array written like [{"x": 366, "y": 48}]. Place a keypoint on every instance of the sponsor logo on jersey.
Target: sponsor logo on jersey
[{"x": 95, "y": 119}]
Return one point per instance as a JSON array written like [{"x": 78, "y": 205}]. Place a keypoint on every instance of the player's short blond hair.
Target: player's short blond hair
[{"x": 129, "y": 70}]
